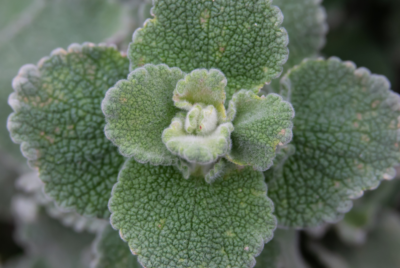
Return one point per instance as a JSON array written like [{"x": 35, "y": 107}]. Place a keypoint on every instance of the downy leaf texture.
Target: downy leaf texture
[
  {"x": 138, "y": 110},
  {"x": 112, "y": 252},
  {"x": 345, "y": 139},
  {"x": 241, "y": 38},
  {"x": 262, "y": 124},
  {"x": 169, "y": 221},
  {"x": 58, "y": 121}
]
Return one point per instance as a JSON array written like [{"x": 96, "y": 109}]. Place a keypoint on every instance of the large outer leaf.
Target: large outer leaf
[
  {"x": 170, "y": 221},
  {"x": 242, "y": 38},
  {"x": 111, "y": 251},
  {"x": 137, "y": 111},
  {"x": 59, "y": 122},
  {"x": 345, "y": 137},
  {"x": 30, "y": 29}
]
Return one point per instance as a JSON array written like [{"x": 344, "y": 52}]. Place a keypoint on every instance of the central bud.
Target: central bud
[{"x": 200, "y": 133}]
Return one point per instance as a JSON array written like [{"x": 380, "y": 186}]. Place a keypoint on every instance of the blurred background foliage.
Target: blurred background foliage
[{"x": 34, "y": 233}]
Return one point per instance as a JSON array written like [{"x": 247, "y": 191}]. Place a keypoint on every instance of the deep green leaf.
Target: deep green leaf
[
  {"x": 241, "y": 38},
  {"x": 138, "y": 110},
  {"x": 170, "y": 221},
  {"x": 112, "y": 252},
  {"x": 262, "y": 124},
  {"x": 345, "y": 136},
  {"x": 58, "y": 121}
]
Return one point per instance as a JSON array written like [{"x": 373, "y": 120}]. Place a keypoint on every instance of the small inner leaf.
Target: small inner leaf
[
  {"x": 261, "y": 125},
  {"x": 137, "y": 111},
  {"x": 169, "y": 221},
  {"x": 202, "y": 149},
  {"x": 202, "y": 86},
  {"x": 58, "y": 121}
]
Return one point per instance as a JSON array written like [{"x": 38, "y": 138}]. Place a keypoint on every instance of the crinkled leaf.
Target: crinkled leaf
[
  {"x": 345, "y": 137},
  {"x": 58, "y": 121},
  {"x": 202, "y": 86},
  {"x": 261, "y": 125},
  {"x": 111, "y": 251},
  {"x": 30, "y": 29},
  {"x": 241, "y": 38},
  {"x": 170, "y": 221},
  {"x": 138, "y": 110},
  {"x": 197, "y": 149}
]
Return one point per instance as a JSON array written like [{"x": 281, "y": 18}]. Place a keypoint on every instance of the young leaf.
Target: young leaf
[
  {"x": 202, "y": 86},
  {"x": 138, "y": 110},
  {"x": 261, "y": 125},
  {"x": 197, "y": 149},
  {"x": 170, "y": 221},
  {"x": 241, "y": 38},
  {"x": 111, "y": 251},
  {"x": 58, "y": 121},
  {"x": 346, "y": 134}
]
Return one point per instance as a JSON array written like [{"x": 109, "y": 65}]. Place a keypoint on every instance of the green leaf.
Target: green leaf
[
  {"x": 111, "y": 251},
  {"x": 282, "y": 252},
  {"x": 241, "y": 38},
  {"x": 305, "y": 22},
  {"x": 197, "y": 149},
  {"x": 262, "y": 124},
  {"x": 59, "y": 123},
  {"x": 346, "y": 134},
  {"x": 202, "y": 86},
  {"x": 170, "y": 221},
  {"x": 44, "y": 237},
  {"x": 138, "y": 110},
  {"x": 30, "y": 29}
]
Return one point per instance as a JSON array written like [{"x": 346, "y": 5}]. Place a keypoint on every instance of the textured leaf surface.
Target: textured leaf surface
[
  {"x": 59, "y": 122},
  {"x": 111, "y": 251},
  {"x": 30, "y": 29},
  {"x": 345, "y": 137},
  {"x": 261, "y": 125},
  {"x": 241, "y": 38},
  {"x": 202, "y": 86},
  {"x": 197, "y": 149},
  {"x": 170, "y": 221},
  {"x": 138, "y": 110}
]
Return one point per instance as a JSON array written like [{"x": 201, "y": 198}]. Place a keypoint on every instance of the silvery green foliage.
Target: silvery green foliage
[{"x": 197, "y": 140}]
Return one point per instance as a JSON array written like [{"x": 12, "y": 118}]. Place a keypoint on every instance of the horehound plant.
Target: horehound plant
[{"x": 178, "y": 140}]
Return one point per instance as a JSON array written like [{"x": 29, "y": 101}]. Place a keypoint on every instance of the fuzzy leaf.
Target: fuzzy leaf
[
  {"x": 261, "y": 125},
  {"x": 197, "y": 149},
  {"x": 169, "y": 221},
  {"x": 111, "y": 251},
  {"x": 138, "y": 110},
  {"x": 30, "y": 29},
  {"x": 58, "y": 121},
  {"x": 346, "y": 134},
  {"x": 241, "y": 38},
  {"x": 202, "y": 86}
]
